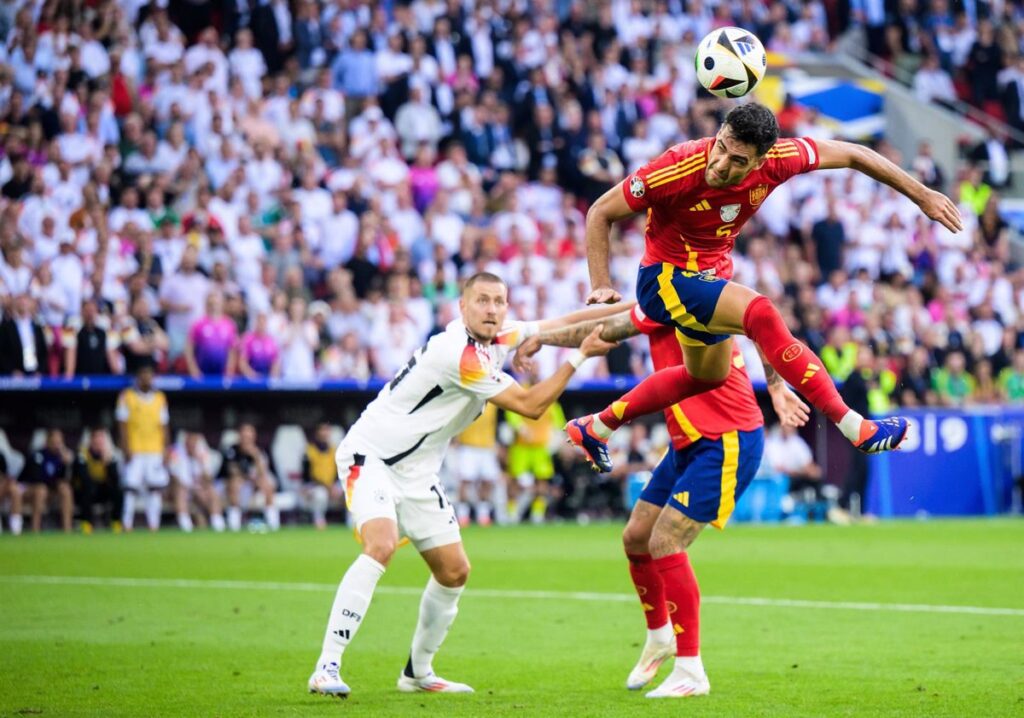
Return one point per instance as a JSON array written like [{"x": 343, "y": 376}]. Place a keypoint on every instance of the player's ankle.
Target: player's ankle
[{"x": 601, "y": 429}]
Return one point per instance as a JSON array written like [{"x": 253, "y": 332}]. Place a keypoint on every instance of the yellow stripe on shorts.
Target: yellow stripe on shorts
[{"x": 730, "y": 464}]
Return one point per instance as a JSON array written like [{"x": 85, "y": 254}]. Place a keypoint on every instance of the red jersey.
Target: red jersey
[
  {"x": 694, "y": 226},
  {"x": 731, "y": 407}
]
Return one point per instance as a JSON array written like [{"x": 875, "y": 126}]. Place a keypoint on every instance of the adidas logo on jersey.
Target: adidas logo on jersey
[{"x": 701, "y": 206}]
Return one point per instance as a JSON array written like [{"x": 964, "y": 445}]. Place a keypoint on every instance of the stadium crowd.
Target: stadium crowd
[{"x": 295, "y": 189}]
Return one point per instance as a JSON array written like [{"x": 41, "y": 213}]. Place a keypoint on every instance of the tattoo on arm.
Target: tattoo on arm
[
  {"x": 771, "y": 376},
  {"x": 616, "y": 328}
]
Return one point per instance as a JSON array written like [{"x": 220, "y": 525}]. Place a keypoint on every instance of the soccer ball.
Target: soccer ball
[{"x": 730, "y": 62}]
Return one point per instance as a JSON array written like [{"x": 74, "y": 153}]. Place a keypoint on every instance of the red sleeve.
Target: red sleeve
[
  {"x": 792, "y": 156},
  {"x": 661, "y": 176}
]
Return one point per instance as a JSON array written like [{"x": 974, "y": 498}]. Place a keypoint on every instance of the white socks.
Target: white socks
[
  {"x": 849, "y": 425},
  {"x": 438, "y": 608},
  {"x": 185, "y": 522},
  {"x": 273, "y": 517},
  {"x": 154, "y": 503},
  {"x": 483, "y": 512},
  {"x": 350, "y": 604},
  {"x": 128, "y": 510},
  {"x": 234, "y": 518},
  {"x": 691, "y": 665},
  {"x": 600, "y": 428},
  {"x": 217, "y": 522},
  {"x": 16, "y": 523},
  {"x": 661, "y": 635}
]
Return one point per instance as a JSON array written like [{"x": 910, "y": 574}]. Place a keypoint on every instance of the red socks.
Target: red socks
[
  {"x": 793, "y": 360},
  {"x": 649, "y": 588},
  {"x": 682, "y": 595},
  {"x": 656, "y": 393}
]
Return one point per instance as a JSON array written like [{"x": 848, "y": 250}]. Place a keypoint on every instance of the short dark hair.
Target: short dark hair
[
  {"x": 754, "y": 124},
  {"x": 482, "y": 277}
]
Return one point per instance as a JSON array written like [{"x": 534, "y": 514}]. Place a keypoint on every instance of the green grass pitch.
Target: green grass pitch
[{"x": 229, "y": 640}]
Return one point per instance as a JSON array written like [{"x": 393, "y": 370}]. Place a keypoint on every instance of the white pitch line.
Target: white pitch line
[{"x": 501, "y": 593}]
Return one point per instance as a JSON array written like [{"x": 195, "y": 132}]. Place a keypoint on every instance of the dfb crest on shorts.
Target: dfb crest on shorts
[
  {"x": 729, "y": 212},
  {"x": 636, "y": 187}
]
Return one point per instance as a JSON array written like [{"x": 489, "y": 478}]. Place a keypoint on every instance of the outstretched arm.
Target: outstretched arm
[
  {"x": 590, "y": 315},
  {"x": 836, "y": 155},
  {"x": 616, "y": 328},
  {"x": 534, "y": 401},
  {"x": 606, "y": 211}
]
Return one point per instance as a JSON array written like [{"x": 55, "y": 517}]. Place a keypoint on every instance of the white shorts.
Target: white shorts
[
  {"x": 475, "y": 464},
  {"x": 145, "y": 470},
  {"x": 373, "y": 490}
]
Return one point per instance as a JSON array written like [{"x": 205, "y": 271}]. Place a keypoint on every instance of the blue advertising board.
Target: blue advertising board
[{"x": 953, "y": 463}]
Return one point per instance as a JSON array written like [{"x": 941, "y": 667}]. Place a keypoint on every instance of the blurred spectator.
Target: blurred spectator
[
  {"x": 855, "y": 392},
  {"x": 47, "y": 473},
  {"x": 97, "y": 482},
  {"x": 189, "y": 467},
  {"x": 926, "y": 169},
  {"x": 258, "y": 353},
  {"x": 933, "y": 84},
  {"x": 22, "y": 342},
  {"x": 88, "y": 349},
  {"x": 246, "y": 464},
  {"x": 915, "y": 385},
  {"x": 11, "y": 494},
  {"x": 210, "y": 347},
  {"x": 829, "y": 237},
  {"x": 786, "y": 452},
  {"x": 182, "y": 298},
  {"x": 320, "y": 476},
  {"x": 953, "y": 385},
  {"x": 143, "y": 422},
  {"x": 142, "y": 339},
  {"x": 299, "y": 342},
  {"x": 1011, "y": 379}
]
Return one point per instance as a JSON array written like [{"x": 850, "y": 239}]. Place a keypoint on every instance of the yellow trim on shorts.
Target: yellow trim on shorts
[
  {"x": 673, "y": 304},
  {"x": 730, "y": 463}
]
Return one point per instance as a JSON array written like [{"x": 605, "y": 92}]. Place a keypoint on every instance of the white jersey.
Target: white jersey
[{"x": 434, "y": 397}]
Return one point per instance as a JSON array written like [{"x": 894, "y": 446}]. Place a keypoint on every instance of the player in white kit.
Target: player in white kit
[{"x": 389, "y": 463}]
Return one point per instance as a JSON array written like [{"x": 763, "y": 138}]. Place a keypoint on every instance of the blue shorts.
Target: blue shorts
[
  {"x": 682, "y": 299},
  {"x": 706, "y": 479}
]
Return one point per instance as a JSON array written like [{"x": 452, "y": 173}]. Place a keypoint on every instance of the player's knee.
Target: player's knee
[
  {"x": 381, "y": 550},
  {"x": 455, "y": 575},
  {"x": 760, "y": 313},
  {"x": 635, "y": 539},
  {"x": 665, "y": 543}
]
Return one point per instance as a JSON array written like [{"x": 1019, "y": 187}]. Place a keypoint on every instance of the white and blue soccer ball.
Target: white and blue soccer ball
[{"x": 730, "y": 61}]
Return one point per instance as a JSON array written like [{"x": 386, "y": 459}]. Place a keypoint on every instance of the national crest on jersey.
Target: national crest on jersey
[{"x": 693, "y": 225}]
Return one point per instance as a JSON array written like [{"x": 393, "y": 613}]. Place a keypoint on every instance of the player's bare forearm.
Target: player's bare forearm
[
  {"x": 610, "y": 208},
  {"x": 589, "y": 314},
  {"x": 616, "y": 328},
  {"x": 771, "y": 376},
  {"x": 935, "y": 205},
  {"x": 533, "y": 402}
]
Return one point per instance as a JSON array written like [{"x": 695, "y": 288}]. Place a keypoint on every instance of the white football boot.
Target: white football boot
[
  {"x": 651, "y": 659},
  {"x": 326, "y": 681},
  {"x": 430, "y": 683},
  {"x": 682, "y": 683}
]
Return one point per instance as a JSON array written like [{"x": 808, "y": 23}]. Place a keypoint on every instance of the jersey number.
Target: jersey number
[
  {"x": 725, "y": 230},
  {"x": 406, "y": 369}
]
